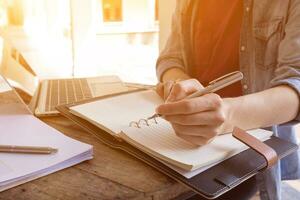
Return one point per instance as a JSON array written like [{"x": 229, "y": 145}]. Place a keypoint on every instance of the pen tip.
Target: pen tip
[{"x": 54, "y": 150}]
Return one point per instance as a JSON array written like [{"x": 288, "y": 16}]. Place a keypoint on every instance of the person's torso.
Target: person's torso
[
  {"x": 215, "y": 42},
  {"x": 261, "y": 33},
  {"x": 263, "y": 29}
]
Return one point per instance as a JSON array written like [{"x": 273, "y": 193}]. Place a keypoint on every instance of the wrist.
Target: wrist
[
  {"x": 232, "y": 116},
  {"x": 229, "y": 122}
]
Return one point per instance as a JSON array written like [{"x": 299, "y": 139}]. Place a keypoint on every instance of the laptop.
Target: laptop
[
  {"x": 53, "y": 92},
  {"x": 46, "y": 94}
]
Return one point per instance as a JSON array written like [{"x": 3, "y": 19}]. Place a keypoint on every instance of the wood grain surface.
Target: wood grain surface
[{"x": 111, "y": 174}]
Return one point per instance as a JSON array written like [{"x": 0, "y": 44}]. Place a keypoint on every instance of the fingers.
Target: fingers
[
  {"x": 207, "y": 102},
  {"x": 199, "y": 135},
  {"x": 202, "y": 118},
  {"x": 164, "y": 89},
  {"x": 182, "y": 89},
  {"x": 198, "y": 120},
  {"x": 199, "y": 141},
  {"x": 195, "y": 120},
  {"x": 160, "y": 89},
  {"x": 168, "y": 88},
  {"x": 206, "y": 132},
  {"x": 176, "y": 90}
]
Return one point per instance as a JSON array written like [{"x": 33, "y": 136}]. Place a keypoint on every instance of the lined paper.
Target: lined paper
[
  {"x": 161, "y": 141},
  {"x": 114, "y": 114}
]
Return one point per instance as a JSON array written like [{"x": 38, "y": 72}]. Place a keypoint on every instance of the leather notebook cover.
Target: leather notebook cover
[{"x": 211, "y": 183}]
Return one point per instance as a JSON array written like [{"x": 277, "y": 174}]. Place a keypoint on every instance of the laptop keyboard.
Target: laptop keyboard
[{"x": 65, "y": 91}]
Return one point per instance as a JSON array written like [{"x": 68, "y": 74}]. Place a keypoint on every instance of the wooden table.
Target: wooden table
[{"x": 112, "y": 174}]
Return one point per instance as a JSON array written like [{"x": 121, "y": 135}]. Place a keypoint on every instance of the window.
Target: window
[
  {"x": 112, "y": 10},
  {"x": 156, "y": 10}
]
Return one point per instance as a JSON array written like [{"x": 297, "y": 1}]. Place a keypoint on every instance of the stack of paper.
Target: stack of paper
[{"x": 26, "y": 130}]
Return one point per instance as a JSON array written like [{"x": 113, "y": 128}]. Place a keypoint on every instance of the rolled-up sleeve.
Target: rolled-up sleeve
[
  {"x": 171, "y": 55},
  {"x": 288, "y": 69},
  {"x": 293, "y": 82}
]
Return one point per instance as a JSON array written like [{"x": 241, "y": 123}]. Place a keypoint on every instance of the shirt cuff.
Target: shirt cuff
[{"x": 293, "y": 83}]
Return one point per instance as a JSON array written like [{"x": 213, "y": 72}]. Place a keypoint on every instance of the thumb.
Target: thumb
[
  {"x": 183, "y": 89},
  {"x": 160, "y": 89}
]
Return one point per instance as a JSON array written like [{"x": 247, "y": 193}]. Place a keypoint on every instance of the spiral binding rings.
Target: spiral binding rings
[{"x": 138, "y": 124}]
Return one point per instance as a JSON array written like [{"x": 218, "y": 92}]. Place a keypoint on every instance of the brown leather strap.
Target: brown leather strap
[{"x": 267, "y": 152}]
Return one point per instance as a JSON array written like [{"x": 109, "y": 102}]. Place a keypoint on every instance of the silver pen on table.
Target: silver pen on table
[
  {"x": 213, "y": 86},
  {"x": 27, "y": 149}
]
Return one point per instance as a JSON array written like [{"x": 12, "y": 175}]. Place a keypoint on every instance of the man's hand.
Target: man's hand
[
  {"x": 169, "y": 79},
  {"x": 164, "y": 89},
  {"x": 196, "y": 120}
]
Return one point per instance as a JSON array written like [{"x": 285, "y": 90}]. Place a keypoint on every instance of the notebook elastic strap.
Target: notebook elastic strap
[{"x": 267, "y": 152}]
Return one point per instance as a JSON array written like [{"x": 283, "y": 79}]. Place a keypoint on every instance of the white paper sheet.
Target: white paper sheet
[
  {"x": 161, "y": 141},
  {"x": 117, "y": 112},
  {"x": 27, "y": 130}
]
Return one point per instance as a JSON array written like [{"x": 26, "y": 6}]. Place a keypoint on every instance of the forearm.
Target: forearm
[
  {"x": 174, "y": 74},
  {"x": 273, "y": 106}
]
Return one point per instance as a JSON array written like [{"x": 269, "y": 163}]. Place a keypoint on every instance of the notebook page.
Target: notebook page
[
  {"x": 30, "y": 131},
  {"x": 106, "y": 85},
  {"x": 161, "y": 141},
  {"x": 117, "y": 112},
  {"x": 190, "y": 174}
]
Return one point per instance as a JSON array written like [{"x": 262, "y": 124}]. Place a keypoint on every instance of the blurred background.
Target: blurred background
[{"x": 82, "y": 38}]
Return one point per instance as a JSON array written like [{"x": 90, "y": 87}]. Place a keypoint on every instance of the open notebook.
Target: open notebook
[
  {"x": 26, "y": 130},
  {"x": 114, "y": 114}
]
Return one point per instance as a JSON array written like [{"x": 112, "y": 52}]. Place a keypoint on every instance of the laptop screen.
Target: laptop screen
[
  {"x": 15, "y": 69},
  {"x": 4, "y": 86}
]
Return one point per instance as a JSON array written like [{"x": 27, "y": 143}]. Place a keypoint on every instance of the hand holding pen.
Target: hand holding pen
[{"x": 202, "y": 115}]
